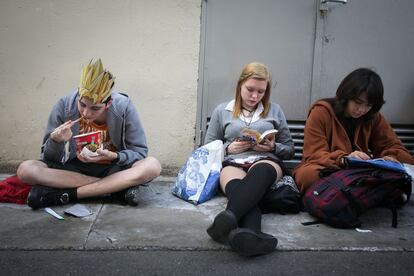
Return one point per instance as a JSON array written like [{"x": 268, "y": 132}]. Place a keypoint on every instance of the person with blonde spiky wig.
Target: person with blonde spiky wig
[{"x": 64, "y": 174}]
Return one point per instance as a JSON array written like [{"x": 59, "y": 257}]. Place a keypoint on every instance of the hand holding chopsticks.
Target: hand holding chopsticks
[{"x": 63, "y": 132}]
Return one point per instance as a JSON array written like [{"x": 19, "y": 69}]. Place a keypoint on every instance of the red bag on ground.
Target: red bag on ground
[
  {"x": 341, "y": 197},
  {"x": 13, "y": 190}
]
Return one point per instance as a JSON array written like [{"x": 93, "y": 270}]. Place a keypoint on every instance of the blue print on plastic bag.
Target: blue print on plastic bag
[
  {"x": 191, "y": 171},
  {"x": 211, "y": 187},
  {"x": 180, "y": 186},
  {"x": 194, "y": 172},
  {"x": 200, "y": 153},
  {"x": 194, "y": 175}
]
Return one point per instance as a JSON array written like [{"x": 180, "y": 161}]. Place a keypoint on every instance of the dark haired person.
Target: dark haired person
[
  {"x": 64, "y": 175},
  {"x": 248, "y": 169},
  {"x": 349, "y": 124}
]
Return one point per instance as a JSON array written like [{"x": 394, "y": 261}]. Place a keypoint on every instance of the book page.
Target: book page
[
  {"x": 255, "y": 136},
  {"x": 249, "y": 135},
  {"x": 267, "y": 134}
]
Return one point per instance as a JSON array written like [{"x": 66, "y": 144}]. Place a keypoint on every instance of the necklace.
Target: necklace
[
  {"x": 250, "y": 111},
  {"x": 246, "y": 122}
]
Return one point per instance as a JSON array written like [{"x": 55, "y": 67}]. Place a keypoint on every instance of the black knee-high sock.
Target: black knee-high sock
[
  {"x": 244, "y": 194},
  {"x": 252, "y": 220}
]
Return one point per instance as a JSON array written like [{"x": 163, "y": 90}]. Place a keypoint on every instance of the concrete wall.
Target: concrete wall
[{"x": 152, "y": 47}]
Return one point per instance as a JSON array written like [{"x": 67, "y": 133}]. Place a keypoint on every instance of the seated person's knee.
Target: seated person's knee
[
  {"x": 25, "y": 170},
  {"x": 154, "y": 166}
]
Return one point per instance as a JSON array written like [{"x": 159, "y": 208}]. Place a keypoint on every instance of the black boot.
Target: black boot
[
  {"x": 223, "y": 223},
  {"x": 248, "y": 242}
]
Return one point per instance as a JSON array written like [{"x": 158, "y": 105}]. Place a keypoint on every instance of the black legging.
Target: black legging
[{"x": 244, "y": 194}]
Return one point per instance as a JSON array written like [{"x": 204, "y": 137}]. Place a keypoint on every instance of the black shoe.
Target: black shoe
[
  {"x": 41, "y": 196},
  {"x": 248, "y": 243},
  {"x": 132, "y": 195},
  {"x": 223, "y": 223},
  {"x": 128, "y": 196}
]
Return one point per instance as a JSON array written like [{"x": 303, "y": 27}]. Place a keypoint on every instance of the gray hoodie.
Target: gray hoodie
[{"x": 124, "y": 127}]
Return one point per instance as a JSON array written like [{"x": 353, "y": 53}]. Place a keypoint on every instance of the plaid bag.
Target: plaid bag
[{"x": 341, "y": 197}]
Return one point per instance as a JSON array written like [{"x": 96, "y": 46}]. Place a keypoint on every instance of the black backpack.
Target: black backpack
[{"x": 283, "y": 197}]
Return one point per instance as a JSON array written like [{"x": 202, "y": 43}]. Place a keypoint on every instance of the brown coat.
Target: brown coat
[{"x": 326, "y": 142}]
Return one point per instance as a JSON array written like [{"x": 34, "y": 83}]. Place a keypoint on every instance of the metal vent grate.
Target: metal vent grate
[
  {"x": 406, "y": 135},
  {"x": 296, "y": 130}
]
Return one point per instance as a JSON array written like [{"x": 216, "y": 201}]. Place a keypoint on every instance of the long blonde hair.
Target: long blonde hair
[{"x": 253, "y": 70}]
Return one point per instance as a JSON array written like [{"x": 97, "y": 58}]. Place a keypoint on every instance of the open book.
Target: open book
[{"x": 255, "y": 136}]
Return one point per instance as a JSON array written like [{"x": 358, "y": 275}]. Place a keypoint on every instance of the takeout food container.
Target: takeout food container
[{"x": 91, "y": 141}]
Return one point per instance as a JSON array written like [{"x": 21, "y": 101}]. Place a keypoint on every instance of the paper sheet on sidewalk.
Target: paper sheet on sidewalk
[
  {"x": 363, "y": 230},
  {"x": 78, "y": 210},
  {"x": 53, "y": 213}
]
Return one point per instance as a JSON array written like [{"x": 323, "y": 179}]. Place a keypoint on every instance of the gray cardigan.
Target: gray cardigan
[
  {"x": 124, "y": 127},
  {"x": 226, "y": 128}
]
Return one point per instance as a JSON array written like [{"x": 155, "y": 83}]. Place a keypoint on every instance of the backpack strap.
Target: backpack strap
[
  {"x": 346, "y": 190},
  {"x": 393, "y": 207},
  {"x": 313, "y": 222}
]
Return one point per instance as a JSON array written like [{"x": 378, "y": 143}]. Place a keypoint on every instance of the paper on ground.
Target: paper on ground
[
  {"x": 78, "y": 210},
  {"x": 363, "y": 230},
  {"x": 53, "y": 213}
]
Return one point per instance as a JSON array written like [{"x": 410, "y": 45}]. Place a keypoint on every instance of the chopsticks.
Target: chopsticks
[
  {"x": 77, "y": 120},
  {"x": 65, "y": 125}
]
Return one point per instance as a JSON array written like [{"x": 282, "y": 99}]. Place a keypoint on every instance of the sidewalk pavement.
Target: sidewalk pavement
[{"x": 164, "y": 222}]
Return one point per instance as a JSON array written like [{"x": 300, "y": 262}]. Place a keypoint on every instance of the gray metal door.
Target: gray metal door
[
  {"x": 278, "y": 33},
  {"x": 378, "y": 34},
  {"x": 309, "y": 46}
]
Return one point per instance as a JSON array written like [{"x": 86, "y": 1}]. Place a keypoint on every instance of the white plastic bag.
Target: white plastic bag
[{"x": 198, "y": 179}]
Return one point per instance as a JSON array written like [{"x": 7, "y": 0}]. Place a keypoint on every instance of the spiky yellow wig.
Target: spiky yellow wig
[{"x": 95, "y": 82}]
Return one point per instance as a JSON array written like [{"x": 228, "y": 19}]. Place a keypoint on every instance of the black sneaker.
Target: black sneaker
[
  {"x": 248, "y": 243},
  {"x": 132, "y": 195},
  {"x": 128, "y": 196},
  {"x": 41, "y": 196},
  {"x": 223, "y": 223}
]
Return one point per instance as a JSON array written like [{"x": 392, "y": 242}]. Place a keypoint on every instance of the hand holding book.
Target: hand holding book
[
  {"x": 256, "y": 137},
  {"x": 253, "y": 140}
]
